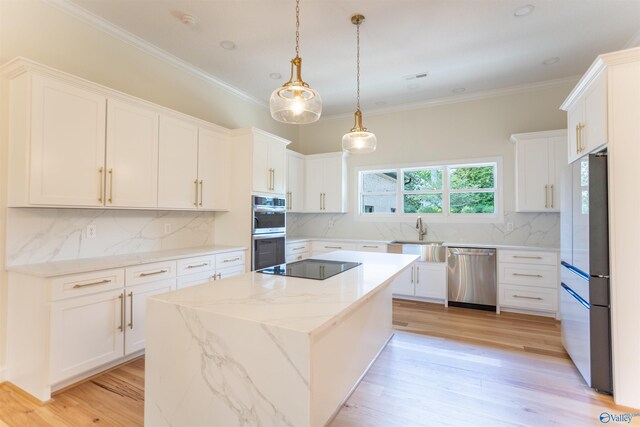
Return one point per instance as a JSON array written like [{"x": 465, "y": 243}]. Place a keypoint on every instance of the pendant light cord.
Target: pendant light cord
[
  {"x": 358, "y": 65},
  {"x": 297, "y": 28}
]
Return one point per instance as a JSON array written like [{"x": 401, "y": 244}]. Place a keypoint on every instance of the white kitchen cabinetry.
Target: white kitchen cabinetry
[
  {"x": 296, "y": 251},
  {"x": 57, "y": 143},
  {"x": 539, "y": 159},
  {"x": 269, "y": 163},
  {"x": 131, "y": 167},
  {"x": 528, "y": 280},
  {"x": 587, "y": 115},
  {"x": 295, "y": 181},
  {"x": 319, "y": 247},
  {"x": 209, "y": 268},
  {"x": 326, "y": 183},
  {"x": 423, "y": 281},
  {"x": 371, "y": 247},
  {"x": 193, "y": 166}
]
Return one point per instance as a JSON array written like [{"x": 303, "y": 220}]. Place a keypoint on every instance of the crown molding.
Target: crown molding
[
  {"x": 537, "y": 135},
  {"x": 494, "y": 93},
  {"x": 101, "y": 24}
]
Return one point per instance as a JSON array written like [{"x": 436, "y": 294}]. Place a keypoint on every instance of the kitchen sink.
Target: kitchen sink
[{"x": 428, "y": 251}]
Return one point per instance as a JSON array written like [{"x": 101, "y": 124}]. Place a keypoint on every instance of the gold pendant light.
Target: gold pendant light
[
  {"x": 359, "y": 140},
  {"x": 295, "y": 102}
]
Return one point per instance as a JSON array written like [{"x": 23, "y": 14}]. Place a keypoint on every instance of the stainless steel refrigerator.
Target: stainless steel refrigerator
[{"x": 584, "y": 294}]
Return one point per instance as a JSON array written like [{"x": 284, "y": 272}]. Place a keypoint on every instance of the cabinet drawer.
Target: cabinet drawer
[
  {"x": 332, "y": 246},
  {"x": 528, "y": 257},
  {"x": 297, "y": 248},
  {"x": 195, "y": 279},
  {"x": 297, "y": 257},
  {"x": 146, "y": 273},
  {"x": 530, "y": 275},
  {"x": 528, "y": 297},
  {"x": 230, "y": 259},
  {"x": 371, "y": 247},
  {"x": 196, "y": 264},
  {"x": 76, "y": 285}
]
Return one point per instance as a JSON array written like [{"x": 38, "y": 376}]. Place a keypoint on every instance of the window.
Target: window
[{"x": 441, "y": 192}]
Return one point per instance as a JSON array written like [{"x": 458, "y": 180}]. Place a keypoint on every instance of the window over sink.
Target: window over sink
[{"x": 466, "y": 191}]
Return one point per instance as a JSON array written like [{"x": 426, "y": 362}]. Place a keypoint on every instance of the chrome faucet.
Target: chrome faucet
[{"x": 421, "y": 230}]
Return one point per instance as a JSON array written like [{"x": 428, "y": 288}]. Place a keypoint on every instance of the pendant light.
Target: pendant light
[
  {"x": 295, "y": 102},
  {"x": 359, "y": 140}
]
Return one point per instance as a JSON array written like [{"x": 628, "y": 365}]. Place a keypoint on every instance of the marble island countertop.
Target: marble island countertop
[
  {"x": 302, "y": 305},
  {"x": 293, "y": 239},
  {"x": 60, "y": 268}
]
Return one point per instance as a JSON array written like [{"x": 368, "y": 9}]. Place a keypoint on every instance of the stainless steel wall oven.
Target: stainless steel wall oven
[{"x": 268, "y": 231}]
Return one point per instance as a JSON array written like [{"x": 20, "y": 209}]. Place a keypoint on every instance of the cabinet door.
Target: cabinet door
[
  {"x": 132, "y": 155},
  {"x": 313, "y": 185},
  {"x": 229, "y": 272},
  {"x": 532, "y": 192},
  {"x": 557, "y": 161},
  {"x": 431, "y": 280},
  {"x": 278, "y": 165},
  {"x": 332, "y": 179},
  {"x": 295, "y": 183},
  {"x": 135, "y": 309},
  {"x": 214, "y": 158},
  {"x": 178, "y": 164},
  {"x": 575, "y": 118},
  {"x": 595, "y": 115},
  {"x": 86, "y": 332},
  {"x": 403, "y": 284},
  {"x": 67, "y": 144},
  {"x": 261, "y": 173}
]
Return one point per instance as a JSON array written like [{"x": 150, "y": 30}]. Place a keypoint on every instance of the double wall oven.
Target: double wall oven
[{"x": 268, "y": 231}]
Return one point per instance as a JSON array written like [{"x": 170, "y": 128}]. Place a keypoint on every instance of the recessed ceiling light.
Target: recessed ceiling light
[
  {"x": 275, "y": 76},
  {"x": 187, "y": 19},
  {"x": 458, "y": 90},
  {"x": 381, "y": 103},
  {"x": 523, "y": 10},
  {"x": 413, "y": 86},
  {"x": 550, "y": 61},
  {"x": 227, "y": 44}
]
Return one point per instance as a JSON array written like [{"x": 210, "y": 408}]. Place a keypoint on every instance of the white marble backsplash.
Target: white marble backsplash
[
  {"x": 36, "y": 235},
  {"x": 529, "y": 229}
]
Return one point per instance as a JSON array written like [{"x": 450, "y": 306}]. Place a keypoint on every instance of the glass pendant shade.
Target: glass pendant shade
[
  {"x": 359, "y": 140},
  {"x": 295, "y": 101}
]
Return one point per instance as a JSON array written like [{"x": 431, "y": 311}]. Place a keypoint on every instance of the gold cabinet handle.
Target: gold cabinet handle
[
  {"x": 320, "y": 201},
  {"x": 551, "y": 196},
  {"x": 212, "y": 277},
  {"x": 82, "y": 285},
  {"x": 413, "y": 270},
  {"x": 201, "y": 181},
  {"x": 101, "y": 172},
  {"x": 121, "y": 298},
  {"x": 219, "y": 276},
  {"x": 153, "y": 273},
  {"x": 204, "y": 264},
  {"x": 333, "y": 247},
  {"x": 298, "y": 248},
  {"x": 527, "y": 257},
  {"x": 417, "y": 274},
  {"x": 546, "y": 196},
  {"x": 527, "y": 275},
  {"x": 577, "y": 138},
  {"x": 582, "y": 147},
  {"x": 526, "y": 297},
  {"x": 130, "y": 325},
  {"x": 232, "y": 259},
  {"x": 196, "y": 202},
  {"x": 370, "y": 246},
  {"x": 110, "y": 200}
]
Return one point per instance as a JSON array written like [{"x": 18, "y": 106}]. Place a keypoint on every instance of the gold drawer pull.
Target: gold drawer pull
[
  {"x": 101, "y": 282},
  {"x": 204, "y": 264},
  {"x": 527, "y": 257},
  {"x": 121, "y": 298},
  {"x": 130, "y": 325},
  {"x": 333, "y": 247},
  {"x": 110, "y": 200},
  {"x": 525, "y": 297},
  {"x": 527, "y": 275},
  {"x": 153, "y": 273},
  {"x": 232, "y": 259},
  {"x": 100, "y": 171},
  {"x": 298, "y": 248},
  {"x": 370, "y": 246}
]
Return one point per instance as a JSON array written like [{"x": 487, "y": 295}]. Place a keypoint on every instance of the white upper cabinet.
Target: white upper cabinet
[
  {"x": 587, "y": 115},
  {"x": 193, "y": 167},
  {"x": 132, "y": 155},
  {"x": 539, "y": 159},
  {"x": 57, "y": 143},
  {"x": 269, "y": 163},
  {"x": 326, "y": 182},
  {"x": 295, "y": 181}
]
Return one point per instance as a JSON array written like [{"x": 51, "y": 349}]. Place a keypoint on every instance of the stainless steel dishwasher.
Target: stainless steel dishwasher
[{"x": 472, "y": 277}]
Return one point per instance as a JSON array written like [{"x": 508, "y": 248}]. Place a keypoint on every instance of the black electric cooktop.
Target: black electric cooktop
[{"x": 317, "y": 269}]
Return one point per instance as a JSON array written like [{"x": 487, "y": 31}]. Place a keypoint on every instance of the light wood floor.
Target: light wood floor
[{"x": 443, "y": 367}]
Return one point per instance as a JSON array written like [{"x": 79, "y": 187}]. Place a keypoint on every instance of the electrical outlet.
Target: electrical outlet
[
  {"x": 167, "y": 228},
  {"x": 91, "y": 231},
  {"x": 509, "y": 226}
]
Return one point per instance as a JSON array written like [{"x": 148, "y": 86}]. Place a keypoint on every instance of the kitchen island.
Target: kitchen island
[{"x": 267, "y": 350}]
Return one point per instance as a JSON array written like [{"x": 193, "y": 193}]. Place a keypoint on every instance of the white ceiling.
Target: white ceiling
[{"x": 478, "y": 45}]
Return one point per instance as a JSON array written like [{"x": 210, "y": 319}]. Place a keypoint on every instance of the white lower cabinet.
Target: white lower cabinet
[
  {"x": 198, "y": 270},
  {"x": 321, "y": 247},
  {"x": 297, "y": 251},
  {"x": 423, "y": 280}
]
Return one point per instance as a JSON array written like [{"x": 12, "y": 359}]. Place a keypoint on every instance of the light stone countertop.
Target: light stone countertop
[
  {"x": 61, "y": 268},
  {"x": 301, "y": 305},
  {"x": 297, "y": 239}
]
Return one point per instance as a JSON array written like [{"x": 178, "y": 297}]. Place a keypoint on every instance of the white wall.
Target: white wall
[{"x": 464, "y": 130}]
